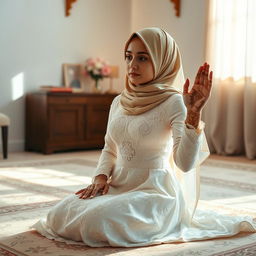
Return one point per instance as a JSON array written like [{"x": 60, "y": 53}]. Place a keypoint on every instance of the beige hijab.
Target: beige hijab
[
  {"x": 168, "y": 80},
  {"x": 168, "y": 73}
]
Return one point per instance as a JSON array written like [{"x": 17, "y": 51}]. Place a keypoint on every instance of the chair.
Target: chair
[{"x": 4, "y": 123}]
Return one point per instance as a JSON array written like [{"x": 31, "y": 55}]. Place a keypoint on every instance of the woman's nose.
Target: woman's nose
[{"x": 133, "y": 63}]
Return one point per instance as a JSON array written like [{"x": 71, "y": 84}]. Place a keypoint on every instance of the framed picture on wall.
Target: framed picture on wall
[{"x": 73, "y": 76}]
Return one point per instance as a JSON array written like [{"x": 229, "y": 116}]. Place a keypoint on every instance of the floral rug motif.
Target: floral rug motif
[{"x": 29, "y": 189}]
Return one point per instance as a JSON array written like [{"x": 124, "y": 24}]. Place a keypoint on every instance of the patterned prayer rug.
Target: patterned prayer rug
[{"x": 28, "y": 189}]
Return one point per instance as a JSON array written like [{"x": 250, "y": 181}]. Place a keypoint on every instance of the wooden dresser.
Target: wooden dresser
[{"x": 62, "y": 121}]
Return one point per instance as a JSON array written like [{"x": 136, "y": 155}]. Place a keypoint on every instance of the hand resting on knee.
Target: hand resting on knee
[{"x": 99, "y": 186}]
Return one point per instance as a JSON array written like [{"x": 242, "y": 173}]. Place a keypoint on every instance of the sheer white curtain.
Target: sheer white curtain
[{"x": 230, "y": 114}]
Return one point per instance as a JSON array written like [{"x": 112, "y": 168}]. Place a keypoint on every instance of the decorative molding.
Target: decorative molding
[
  {"x": 69, "y": 6},
  {"x": 175, "y": 2},
  {"x": 176, "y": 7}
]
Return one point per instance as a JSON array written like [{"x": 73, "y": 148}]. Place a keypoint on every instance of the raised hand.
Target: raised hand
[
  {"x": 198, "y": 95},
  {"x": 200, "y": 92},
  {"x": 99, "y": 185}
]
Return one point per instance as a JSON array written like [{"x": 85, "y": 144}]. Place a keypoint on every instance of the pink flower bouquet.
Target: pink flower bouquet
[{"x": 97, "y": 68}]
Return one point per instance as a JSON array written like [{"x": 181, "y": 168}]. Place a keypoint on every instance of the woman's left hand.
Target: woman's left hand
[{"x": 200, "y": 92}]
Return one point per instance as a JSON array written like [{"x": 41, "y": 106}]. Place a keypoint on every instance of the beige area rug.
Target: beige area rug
[{"x": 29, "y": 189}]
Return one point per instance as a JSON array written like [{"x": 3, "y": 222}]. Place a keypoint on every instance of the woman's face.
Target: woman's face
[{"x": 139, "y": 65}]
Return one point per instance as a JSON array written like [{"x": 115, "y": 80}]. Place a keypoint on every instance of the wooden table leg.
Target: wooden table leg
[{"x": 5, "y": 141}]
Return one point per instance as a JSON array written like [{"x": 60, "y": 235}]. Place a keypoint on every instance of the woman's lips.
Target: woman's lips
[{"x": 133, "y": 75}]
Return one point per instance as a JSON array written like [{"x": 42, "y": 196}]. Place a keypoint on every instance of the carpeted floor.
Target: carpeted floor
[{"x": 29, "y": 188}]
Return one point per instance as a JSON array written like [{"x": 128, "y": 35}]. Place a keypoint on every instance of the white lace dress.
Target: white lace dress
[{"x": 145, "y": 204}]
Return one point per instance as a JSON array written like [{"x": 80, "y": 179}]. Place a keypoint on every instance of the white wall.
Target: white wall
[{"x": 36, "y": 38}]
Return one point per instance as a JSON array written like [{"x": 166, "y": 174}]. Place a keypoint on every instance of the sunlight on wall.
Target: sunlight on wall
[
  {"x": 17, "y": 86},
  {"x": 231, "y": 39}
]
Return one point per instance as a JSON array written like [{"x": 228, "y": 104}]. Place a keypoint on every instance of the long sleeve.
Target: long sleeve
[
  {"x": 186, "y": 142},
  {"x": 108, "y": 154}
]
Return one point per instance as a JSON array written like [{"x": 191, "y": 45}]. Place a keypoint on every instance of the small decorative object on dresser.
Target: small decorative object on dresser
[
  {"x": 114, "y": 74},
  {"x": 54, "y": 88},
  {"x": 62, "y": 121},
  {"x": 73, "y": 76},
  {"x": 97, "y": 69}
]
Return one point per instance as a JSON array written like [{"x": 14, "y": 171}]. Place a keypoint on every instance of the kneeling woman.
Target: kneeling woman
[{"x": 145, "y": 188}]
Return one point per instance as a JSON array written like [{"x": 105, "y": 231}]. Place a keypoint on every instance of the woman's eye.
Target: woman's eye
[
  {"x": 143, "y": 58},
  {"x": 128, "y": 57}
]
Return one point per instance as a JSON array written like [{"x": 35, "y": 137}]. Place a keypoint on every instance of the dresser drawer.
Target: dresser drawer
[{"x": 67, "y": 100}]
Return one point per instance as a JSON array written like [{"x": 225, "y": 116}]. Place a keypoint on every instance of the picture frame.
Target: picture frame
[{"x": 73, "y": 76}]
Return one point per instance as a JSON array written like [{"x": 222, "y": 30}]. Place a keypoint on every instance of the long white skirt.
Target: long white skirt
[{"x": 138, "y": 210}]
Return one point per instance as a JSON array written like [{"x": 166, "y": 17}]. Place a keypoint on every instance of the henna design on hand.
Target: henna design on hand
[{"x": 196, "y": 99}]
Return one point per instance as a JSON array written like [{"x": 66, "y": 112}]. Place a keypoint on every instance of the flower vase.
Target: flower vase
[{"x": 97, "y": 87}]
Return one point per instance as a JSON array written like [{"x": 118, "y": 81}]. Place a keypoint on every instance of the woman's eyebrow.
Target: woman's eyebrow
[{"x": 138, "y": 52}]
